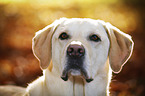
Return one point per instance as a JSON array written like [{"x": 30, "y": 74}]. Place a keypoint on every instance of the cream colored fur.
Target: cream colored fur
[
  {"x": 101, "y": 58},
  {"x": 111, "y": 53}
]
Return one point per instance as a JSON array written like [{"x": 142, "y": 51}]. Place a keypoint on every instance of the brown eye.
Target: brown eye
[
  {"x": 94, "y": 38},
  {"x": 63, "y": 36}
]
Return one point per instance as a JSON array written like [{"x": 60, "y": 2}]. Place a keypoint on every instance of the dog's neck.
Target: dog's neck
[{"x": 78, "y": 86}]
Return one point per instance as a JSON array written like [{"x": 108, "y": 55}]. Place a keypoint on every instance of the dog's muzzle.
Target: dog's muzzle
[{"x": 75, "y": 60}]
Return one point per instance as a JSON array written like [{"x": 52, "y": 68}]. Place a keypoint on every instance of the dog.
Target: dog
[{"x": 77, "y": 57}]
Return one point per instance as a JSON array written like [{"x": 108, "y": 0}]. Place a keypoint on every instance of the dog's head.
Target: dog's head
[{"x": 81, "y": 47}]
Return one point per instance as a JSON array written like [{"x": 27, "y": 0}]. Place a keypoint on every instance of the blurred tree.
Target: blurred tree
[{"x": 20, "y": 19}]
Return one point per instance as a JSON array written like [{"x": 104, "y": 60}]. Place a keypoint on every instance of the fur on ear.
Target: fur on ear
[
  {"x": 121, "y": 47},
  {"x": 41, "y": 43}
]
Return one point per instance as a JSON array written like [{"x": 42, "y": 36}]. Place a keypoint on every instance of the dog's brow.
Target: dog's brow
[{"x": 76, "y": 42}]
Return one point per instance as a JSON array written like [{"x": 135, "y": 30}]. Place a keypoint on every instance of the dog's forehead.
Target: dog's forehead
[{"x": 77, "y": 26}]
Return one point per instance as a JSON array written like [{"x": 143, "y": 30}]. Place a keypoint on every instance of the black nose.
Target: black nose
[{"x": 75, "y": 50}]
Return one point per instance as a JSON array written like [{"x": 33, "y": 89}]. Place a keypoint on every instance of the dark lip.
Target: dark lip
[{"x": 65, "y": 75}]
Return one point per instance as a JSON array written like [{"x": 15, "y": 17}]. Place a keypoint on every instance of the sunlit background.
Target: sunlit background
[{"x": 20, "y": 19}]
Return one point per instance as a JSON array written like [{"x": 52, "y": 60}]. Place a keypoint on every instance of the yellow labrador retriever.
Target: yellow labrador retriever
[{"x": 78, "y": 56}]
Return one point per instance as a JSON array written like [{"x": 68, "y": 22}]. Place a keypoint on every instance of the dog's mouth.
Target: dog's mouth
[
  {"x": 73, "y": 72},
  {"x": 75, "y": 67}
]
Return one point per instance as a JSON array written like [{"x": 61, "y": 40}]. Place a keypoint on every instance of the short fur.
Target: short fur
[{"x": 101, "y": 58}]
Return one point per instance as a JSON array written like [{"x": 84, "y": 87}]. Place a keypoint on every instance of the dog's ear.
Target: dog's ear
[
  {"x": 121, "y": 47},
  {"x": 41, "y": 43}
]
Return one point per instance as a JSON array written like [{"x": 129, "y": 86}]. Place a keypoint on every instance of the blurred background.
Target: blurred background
[{"x": 20, "y": 19}]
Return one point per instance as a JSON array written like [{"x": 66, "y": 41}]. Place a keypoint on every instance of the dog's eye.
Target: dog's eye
[
  {"x": 63, "y": 36},
  {"x": 94, "y": 38}
]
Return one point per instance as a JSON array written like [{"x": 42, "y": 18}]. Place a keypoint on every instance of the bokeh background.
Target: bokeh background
[{"x": 20, "y": 19}]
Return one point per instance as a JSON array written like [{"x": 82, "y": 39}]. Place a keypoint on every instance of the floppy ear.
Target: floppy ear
[
  {"x": 121, "y": 47},
  {"x": 41, "y": 43}
]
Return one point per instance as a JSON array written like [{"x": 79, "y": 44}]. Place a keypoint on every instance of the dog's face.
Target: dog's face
[{"x": 81, "y": 47}]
